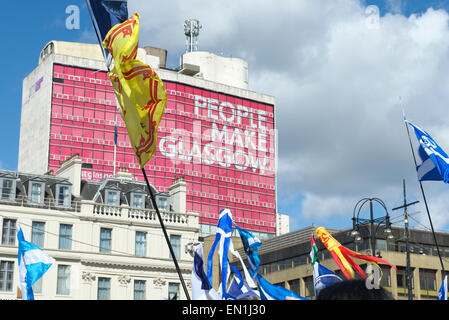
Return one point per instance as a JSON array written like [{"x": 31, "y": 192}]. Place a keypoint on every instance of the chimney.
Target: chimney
[
  {"x": 178, "y": 195},
  {"x": 123, "y": 173},
  {"x": 71, "y": 169}
]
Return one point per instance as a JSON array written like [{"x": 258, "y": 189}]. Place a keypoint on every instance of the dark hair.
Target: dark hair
[{"x": 353, "y": 290}]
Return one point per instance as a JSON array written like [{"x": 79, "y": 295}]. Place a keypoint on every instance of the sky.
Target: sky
[{"x": 336, "y": 69}]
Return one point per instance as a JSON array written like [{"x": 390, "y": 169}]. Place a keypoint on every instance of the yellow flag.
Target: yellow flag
[
  {"x": 342, "y": 255},
  {"x": 139, "y": 91}
]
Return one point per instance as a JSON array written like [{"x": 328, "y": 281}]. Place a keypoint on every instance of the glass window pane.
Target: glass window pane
[
  {"x": 137, "y": 200},
  {"x": 175, "y": 241},
  {"x": 105, "y": 240},
  {"x": 139, "y": 289},
  {"x": 6, "y": 275},
  {"x": 173, "y": 291},
  {"x": 63, "y": 284},
  {"x": 63, "y": 196},
  {"x": 37, "y": 233},
  {"x": 9, "y": 232},
  {"x": 104, "y": 288},
  {"x": 7, "y": 189},
  {"x": 36, "y": 194},
  {"x": 141, "y": 243},
  {"x": 65, "y": 236}
]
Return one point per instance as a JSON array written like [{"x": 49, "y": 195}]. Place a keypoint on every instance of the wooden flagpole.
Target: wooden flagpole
[{"x": 152, "y": 196}]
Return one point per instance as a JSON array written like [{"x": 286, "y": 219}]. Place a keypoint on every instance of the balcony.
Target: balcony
[{"x": 137, "y": 215}]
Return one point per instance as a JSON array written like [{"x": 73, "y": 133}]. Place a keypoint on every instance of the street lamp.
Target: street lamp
[{"x": 357, "y": 222}]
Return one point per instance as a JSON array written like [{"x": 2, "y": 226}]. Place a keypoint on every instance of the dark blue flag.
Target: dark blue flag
[{"x": 108, "y": 13}]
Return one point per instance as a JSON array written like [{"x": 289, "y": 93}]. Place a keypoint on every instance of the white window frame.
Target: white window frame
[
  {"x": 133, "y": 196},
  {"x": 107, "y": 197},
  {"x": 67, "y": 203},
  {"x": 30, "y": 190},
  {"x": 166, "y": 198},
  {"x": 12, "y": 195}
]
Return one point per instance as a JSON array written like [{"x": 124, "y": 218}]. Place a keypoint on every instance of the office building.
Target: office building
[{"x": 216, "y": 134}]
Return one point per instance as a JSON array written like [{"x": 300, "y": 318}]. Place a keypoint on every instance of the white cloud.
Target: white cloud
[{"x": 337, "y": 84}]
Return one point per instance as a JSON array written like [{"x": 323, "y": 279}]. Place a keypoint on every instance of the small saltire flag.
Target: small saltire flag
[
  {"x": 201, "y": 287},
  {"x": 435, "y": 162},
  {"x": 442, "y": 293},
  {"x": 267, "y": 290},
  {"x": 225, "y": 246},
  {"x": 322, "y": 277},
  {"x": 342, "y": 255},
  {"x": 241, "y": 290},
  {"x": 251, "y": 244},
  {"x": 139, "y": 91},
  {"x": 33, "y": 263}
]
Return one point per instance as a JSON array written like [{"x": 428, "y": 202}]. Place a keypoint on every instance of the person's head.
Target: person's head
[{"x": 353, "y": 290}]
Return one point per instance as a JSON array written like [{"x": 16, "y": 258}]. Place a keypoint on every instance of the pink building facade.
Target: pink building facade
[{"x": 221, "y": 143}]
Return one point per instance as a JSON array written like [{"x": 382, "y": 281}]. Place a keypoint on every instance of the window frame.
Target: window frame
[
  {"x": 140, "y": 243},
  {"x": 30, "y": 192},
  {"x": 65, "y": 237},
  {"x": 9, "y": 238},
  {"x": 107, "y": 197},
  {"x": 106, "y": 288},
  {"x": 63, "y": 278},
  {"x": 7, "y": 283},
  {"x": 67, "y": 203},
  {"x": 141, "y": 292},
  {"x": 37, "y": 234},
  {"x": 103, "y": 249},
  {"x": 176, "y": 247},
  {"x": 12, "y": 195}
]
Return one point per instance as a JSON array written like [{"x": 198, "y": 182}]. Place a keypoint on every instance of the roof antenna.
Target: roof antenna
[{"x": 192, "y": 29}]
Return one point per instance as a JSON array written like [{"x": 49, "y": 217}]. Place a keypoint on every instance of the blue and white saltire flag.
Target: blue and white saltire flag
[
  {"x": 442, "y": 293},
  {"x": 267, "y": 290},
  {"x": 108, "y": 13},
  {"x": 225, "y": 246},
  {"x": 201, "y": 287},
  {"x": 241, "y": 290},
  {"x": 251, "y": 244},
  {"x": 33, "y": 263},
  {"x": 435, "y": 162}
]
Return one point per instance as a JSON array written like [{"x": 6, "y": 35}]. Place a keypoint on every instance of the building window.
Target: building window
[
  {"x": 105, "y": 240},
  {"x": 37, "y": 191},
  {"x": 37, "y": 286},
  {"x": 63, "y": 284},
  {"x": 139, "y": 289},
  {"x": 309, "y": 286},
  {"x": 63, "y": 196},
  {"x": 37, "y": 233},
  {"x": 175, "y": 241},
  {"x": 141, "y": 243},
  {"x": 162, "y": 202},
  {"x": 65, "y": 236},
  {"x": 427, "y": 279},
  {"x": 294, "y": 286},
  {"x": 137, "y": 200},
  {"x": 112, "y": 198},
  {"x": 173, "y": 291},
  {"x": 9, "y": 232},
  {"x": 7, "y": 191},
  {"x": 104, "y": 289},
  {"x": 6, "y": 275}
]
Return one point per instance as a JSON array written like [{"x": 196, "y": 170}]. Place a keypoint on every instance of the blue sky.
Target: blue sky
[{"x": 29, "y": 27}]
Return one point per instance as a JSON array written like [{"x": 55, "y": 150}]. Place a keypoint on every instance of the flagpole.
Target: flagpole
[
  {"x": 153, "y": 200},
  {"x": 152, "y": 197},
  {"x": 422, "y": 191}
]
